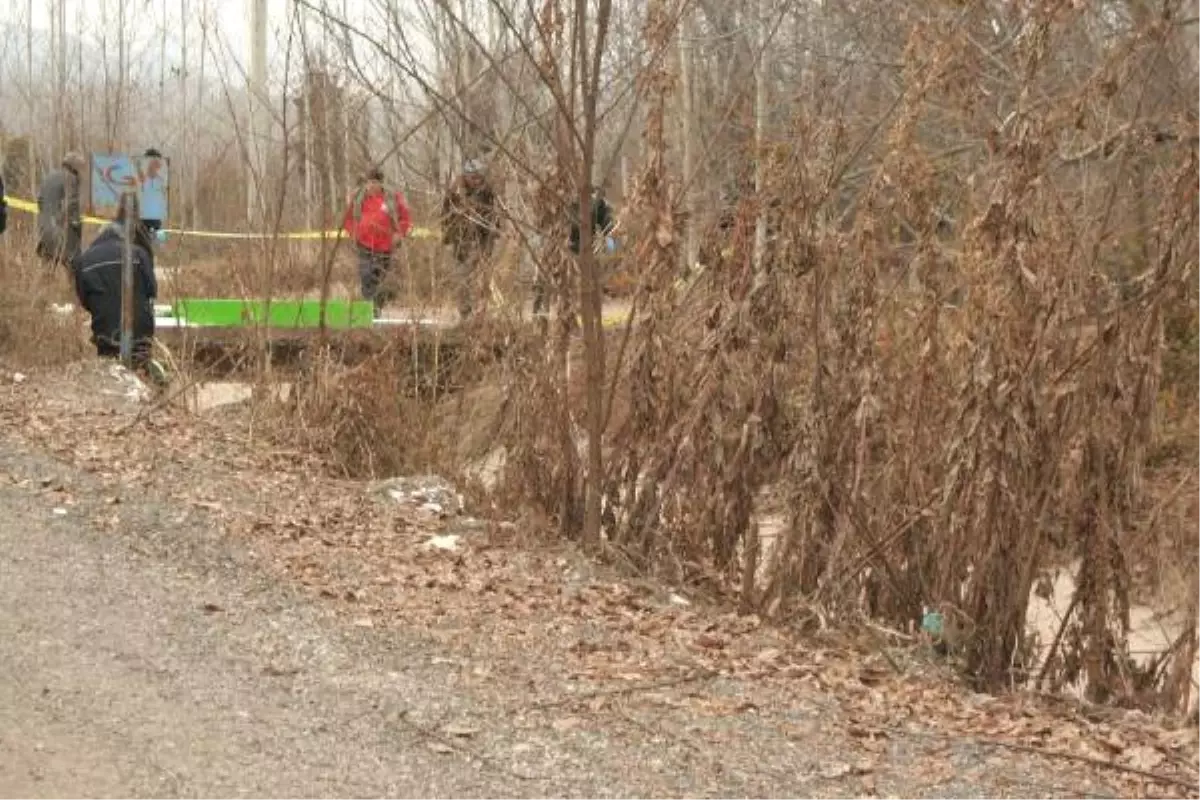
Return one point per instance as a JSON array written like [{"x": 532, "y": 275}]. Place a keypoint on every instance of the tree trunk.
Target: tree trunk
[
  {"x": 691, "y": 249},
  {"x": 760, "y": 124},
  {"x": 592, "y": 298}
]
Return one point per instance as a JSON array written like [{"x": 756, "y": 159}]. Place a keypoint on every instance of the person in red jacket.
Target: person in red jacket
[{"x": 377, "y": 219}]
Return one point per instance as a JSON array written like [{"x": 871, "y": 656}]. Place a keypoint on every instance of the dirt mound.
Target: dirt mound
[{"x": 82, "y": 387}]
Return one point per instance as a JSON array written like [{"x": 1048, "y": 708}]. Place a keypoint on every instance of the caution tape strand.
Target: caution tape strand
[{"x": 416, "y": 233}]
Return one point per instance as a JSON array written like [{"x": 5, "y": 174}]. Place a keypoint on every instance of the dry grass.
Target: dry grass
[
  {"x": 945, "y": 410},
  {"x": 929, "y": 454},
  {"x": 297, "y": 268},
  {"x": 932, "y": 455},
  {"x": 31, "y": 333}
]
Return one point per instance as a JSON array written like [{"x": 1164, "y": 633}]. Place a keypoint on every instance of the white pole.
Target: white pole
[
  {"x": 346, "y": 101},
  {"x": 201, "y": 94},
  {"x": 29, "y": 90},
  {"x": 258, "y": 100},
  {"x": 185, "y": 108},
  {"x": 57, "y": 100},
  {"x": 760, "y": 119},
  {"x": 307, "y": 120}
]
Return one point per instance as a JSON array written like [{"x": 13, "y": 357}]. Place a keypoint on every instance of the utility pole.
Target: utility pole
[
  {"x": 184, "y": 108},
  {"x": 29, "y": 77},
  {"x": 690, "y": 250},
  {"x": 306, "y": 111},
  {"x": 58, "y": 51},
  {"x": 760, "y": 127},
  {"x": 345, "y": 99},
  {"x": 258, "y": 107}
]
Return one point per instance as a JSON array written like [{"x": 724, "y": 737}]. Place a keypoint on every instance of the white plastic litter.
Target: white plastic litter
[
  {"x": 448, "y": 542},
  {"x": 131, "y": 385},
  {"x": 429, "y": 493}
]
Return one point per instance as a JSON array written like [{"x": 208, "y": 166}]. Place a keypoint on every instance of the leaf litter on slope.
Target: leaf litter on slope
[{"x": 516, "y": 596}]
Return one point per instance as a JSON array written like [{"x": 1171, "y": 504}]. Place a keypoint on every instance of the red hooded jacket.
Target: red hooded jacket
[{"x": 374, "y": 223}]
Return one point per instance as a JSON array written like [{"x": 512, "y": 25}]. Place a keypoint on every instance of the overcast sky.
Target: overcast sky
[{"x": 230, "y": 17}]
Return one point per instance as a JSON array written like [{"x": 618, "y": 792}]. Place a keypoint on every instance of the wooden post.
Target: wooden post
[{"x": 127, "y": 305}]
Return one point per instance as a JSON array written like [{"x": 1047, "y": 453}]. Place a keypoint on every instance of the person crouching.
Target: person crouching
[{"x": 97, "y": 273}]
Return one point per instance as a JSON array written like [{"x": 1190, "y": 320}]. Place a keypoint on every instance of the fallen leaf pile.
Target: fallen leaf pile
[{"x": 405, "y": 552}]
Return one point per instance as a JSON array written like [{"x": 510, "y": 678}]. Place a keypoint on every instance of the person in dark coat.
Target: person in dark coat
[
  {"x": 3, "y": 207},
  {"x": 59, "y": 218},
  {"x": 602, "y": 221},
  {"x": 98, "y": 286},
  {"x": 602, "y": 226},
  {"x": 470, "y": 225}
]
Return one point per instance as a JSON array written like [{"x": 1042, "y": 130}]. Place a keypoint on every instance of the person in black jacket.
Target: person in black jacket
[
  {"x": 98, "y": 285},
  {"x": 471, "y": 226},
  {"x": 3, "y": 207},
  {"x": 602, "y": 226},
  {"x": 602, "y": 220},
  {"x": 59, "y": 220}
]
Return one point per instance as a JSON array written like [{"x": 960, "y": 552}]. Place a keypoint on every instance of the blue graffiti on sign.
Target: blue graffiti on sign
[{"x": 112, "y": 175}]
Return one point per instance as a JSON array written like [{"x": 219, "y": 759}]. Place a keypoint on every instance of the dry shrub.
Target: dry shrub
[
  {"x": 966, "y": 355},
  {"x": 299, "y": 268},
  {"x": 417, "y": 405},
  {"x": 368, "y": 420},
  {"x": 951, "y": 363},
  {"x": 31, "y": 333}
]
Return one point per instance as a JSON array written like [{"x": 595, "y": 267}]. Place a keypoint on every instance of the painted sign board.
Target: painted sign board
[{"x": 114, "y": 174}]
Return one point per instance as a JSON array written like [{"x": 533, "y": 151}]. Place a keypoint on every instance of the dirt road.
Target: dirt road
[
  {"x": 147, "y": 652},
  {"x": 127, "y": 675}
]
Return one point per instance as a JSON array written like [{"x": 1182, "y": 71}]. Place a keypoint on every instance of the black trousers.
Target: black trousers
[
  {"x": 373, "y": 271},
  {"x": 107, "y": 347}
]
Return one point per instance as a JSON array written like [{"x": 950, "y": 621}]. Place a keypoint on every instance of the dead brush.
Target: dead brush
[
  {"x": 32, "y": 333},
  {"x": 300, "y": 269},
  {"x": 937, "y": 362},
  {"x": 368, "y": 420}
]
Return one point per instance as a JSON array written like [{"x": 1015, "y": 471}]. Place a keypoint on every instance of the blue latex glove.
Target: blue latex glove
[
  {"x": 610, "y": 244},
  {"x": 161, "y": 235}
]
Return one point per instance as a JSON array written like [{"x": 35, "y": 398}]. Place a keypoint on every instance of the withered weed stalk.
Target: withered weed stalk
[
  {"x": 32, "y": 332},
  {"x": 965, "y": 356},
  {"x": 952, "y": 367}
]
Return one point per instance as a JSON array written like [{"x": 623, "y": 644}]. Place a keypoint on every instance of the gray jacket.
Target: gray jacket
[{"x": 60, "y": 225}]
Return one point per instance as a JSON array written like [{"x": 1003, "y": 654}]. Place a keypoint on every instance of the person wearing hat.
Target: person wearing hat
[
  {"x": 3, "y": 207},
  {"x": 377, "y": 219},
  {"x": 602, "y": 227},
  {"x": 152, "y": 195},
  {"x": 470, "y": 225},
  {"x": 97, "y": 271},
  {"x": 59, "y": 220}
]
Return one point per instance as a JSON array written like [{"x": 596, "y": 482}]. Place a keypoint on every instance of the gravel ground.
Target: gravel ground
[{"x": 165, "y": 656}]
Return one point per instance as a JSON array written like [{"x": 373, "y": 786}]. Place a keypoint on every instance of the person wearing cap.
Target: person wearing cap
[
  {"x": 602, "y": 223},
  {"x": 377, "y": 218},
  {"x": 153, "y": 195},
  {"x": 3, "y": 207},
  {"x": 602, "y": 228},
  {"x": 470, "y": 225},
  {"x": 97, "y": 272},
  {"x": 59, "y": 220}
]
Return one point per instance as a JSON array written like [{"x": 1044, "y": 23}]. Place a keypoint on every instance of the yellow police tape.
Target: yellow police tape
[{"x": 415, "y": 233}]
